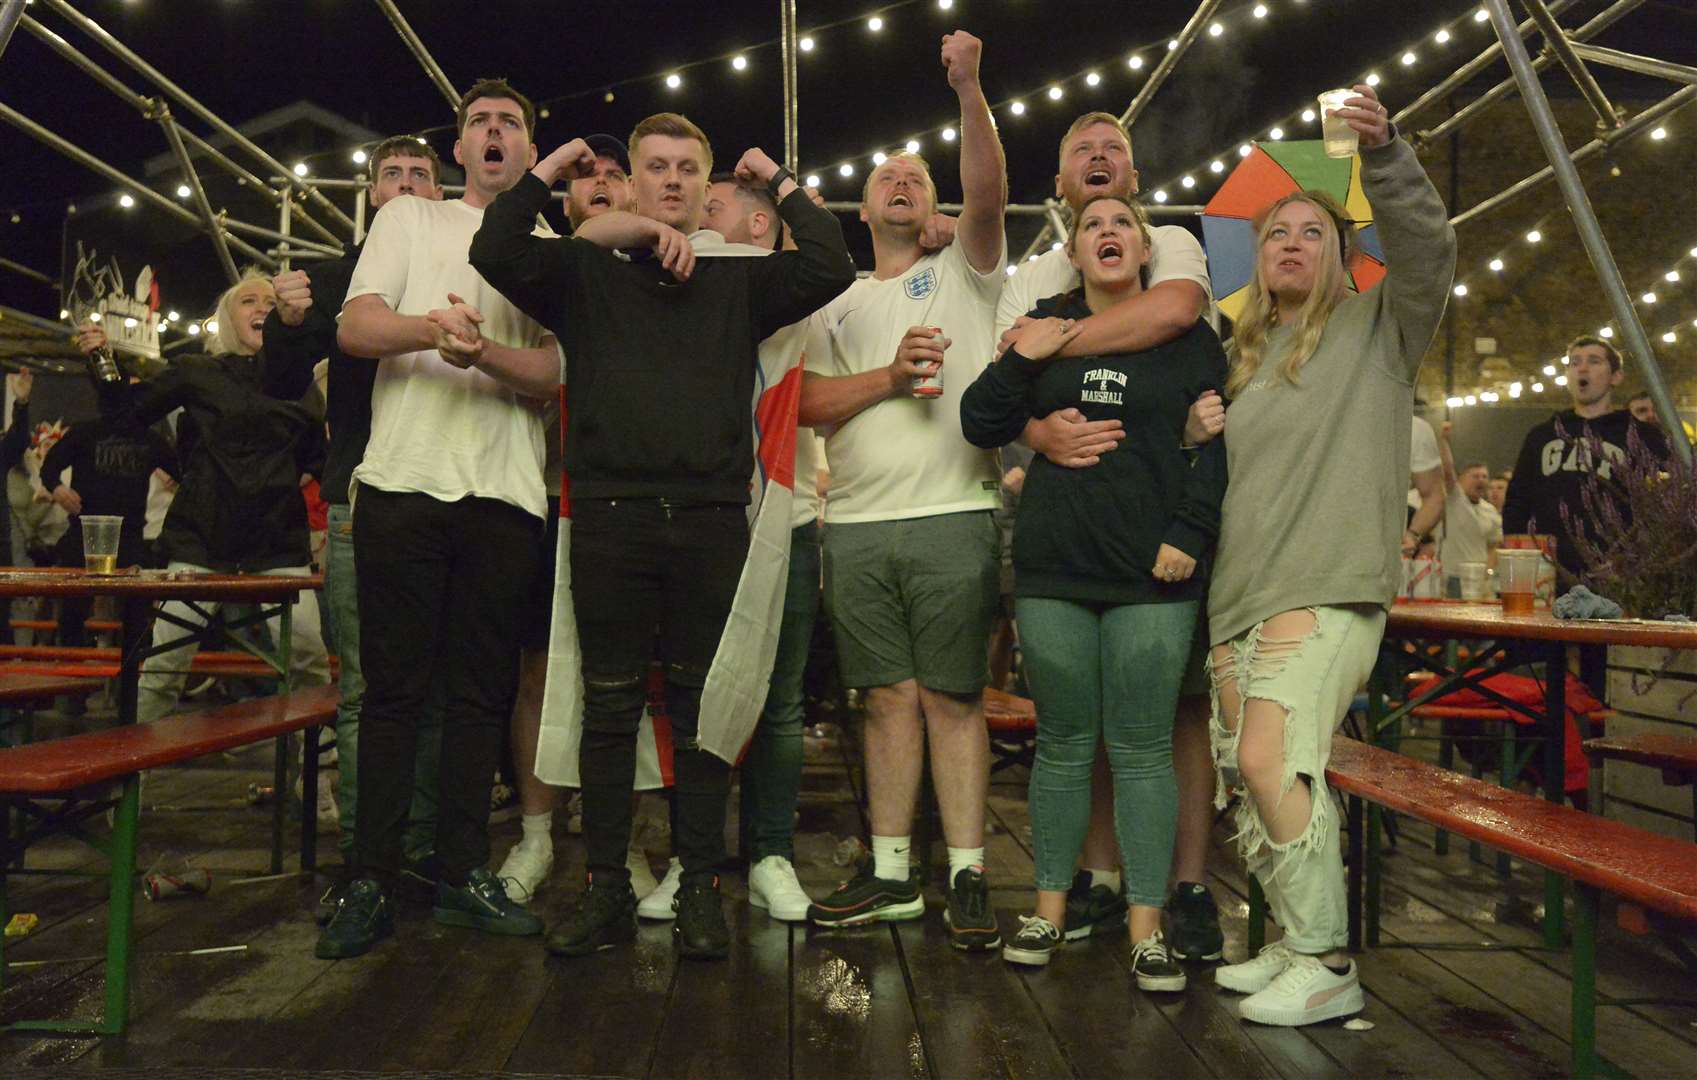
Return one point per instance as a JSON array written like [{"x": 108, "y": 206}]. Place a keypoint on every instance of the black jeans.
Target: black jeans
[
  {"x": 441, "y": 589},
  {"x": 651, "y": 579}
]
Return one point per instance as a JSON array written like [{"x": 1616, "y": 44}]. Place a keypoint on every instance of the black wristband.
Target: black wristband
[{"x": 777, "y": 181}]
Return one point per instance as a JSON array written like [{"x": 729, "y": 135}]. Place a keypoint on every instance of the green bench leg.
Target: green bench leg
[
  {"x": 1257, "y": 934},
  {"x": 1446, "y": 761},
  {"x": 120, "y": 909},
  {"x": 1584, "y": 1062},
  {"x": 1357, "y": 855},
  {"x": 1372, "y": 875}
]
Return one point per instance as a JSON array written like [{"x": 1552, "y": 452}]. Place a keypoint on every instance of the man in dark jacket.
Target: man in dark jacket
[
  {"x": 661, "y": 356},
  {"x": 298, "y": 333}
]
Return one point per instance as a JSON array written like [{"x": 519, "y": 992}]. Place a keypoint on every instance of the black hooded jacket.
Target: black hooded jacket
[{"x": 243, "y": 443}]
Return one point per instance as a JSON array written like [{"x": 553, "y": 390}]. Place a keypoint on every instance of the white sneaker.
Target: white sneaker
[
  {"x": 1257, "y": 973},
  {"x": 524, "y": 870},
  {"x": 642, "y": 880},
  {"x": 658, "y": 904},
  {"x": 1306, "y": 992},
  {"x": 772, "y": 885}
]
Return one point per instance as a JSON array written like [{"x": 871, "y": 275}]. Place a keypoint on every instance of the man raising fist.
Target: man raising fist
[{"x": 659, "y": 458}]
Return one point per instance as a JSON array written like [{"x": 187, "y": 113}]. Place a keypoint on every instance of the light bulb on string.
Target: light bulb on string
[
  {"x": 1055, "y": 93},
  {"x": 1092, "y": 79},
  {"x": 805, "y": 44},
  {"x": 875, "y": 24},
  {"x": 913, "y": 146},
  {"x": 739, "y": 63},
  {"x": 1496, "y": 265},
  {"x": 359, "y": 157},
  {"x": 674, "y": 80},
  {"x": 183, "y": 191},
  {"x": 948, "y": 134},
  {"x": 1017, "y": 108},
  {"x": 1134, "y": 62}
]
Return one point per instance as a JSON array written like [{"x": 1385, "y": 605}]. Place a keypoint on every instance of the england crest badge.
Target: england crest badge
[{"x": 922, "y": 284}]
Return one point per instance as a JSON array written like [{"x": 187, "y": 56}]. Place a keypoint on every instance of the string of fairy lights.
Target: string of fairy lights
[{"x": 1101, "y": 78}]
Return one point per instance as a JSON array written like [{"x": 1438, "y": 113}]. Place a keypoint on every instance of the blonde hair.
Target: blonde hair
[
  {"x": 1091, "y": 119},
  {"x": 912, "y": 158},
  {"x": 1261, "y": 314},
  {"x": 677, "y": 126},
  {"x": 224, "y": 339}
]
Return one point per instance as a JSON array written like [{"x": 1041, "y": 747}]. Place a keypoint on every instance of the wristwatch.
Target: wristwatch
[{"x": 778, "y": 179}]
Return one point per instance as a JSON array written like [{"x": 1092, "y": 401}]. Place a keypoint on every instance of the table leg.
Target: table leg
[
  {"x": 1584, "y": 1015},
  {"x": 1555, "y": 776},
  {"x": 1357, "y": 854},
  {"x": 120, "y": 908},
  {"x": 1372, "y": 876}
]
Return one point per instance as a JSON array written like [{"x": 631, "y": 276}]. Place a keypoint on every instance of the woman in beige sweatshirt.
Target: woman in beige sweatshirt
[{"x": 1322, "y": 389}]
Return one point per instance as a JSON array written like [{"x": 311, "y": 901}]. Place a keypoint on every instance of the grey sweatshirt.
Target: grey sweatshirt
[{"x": 1314, "y": 513}]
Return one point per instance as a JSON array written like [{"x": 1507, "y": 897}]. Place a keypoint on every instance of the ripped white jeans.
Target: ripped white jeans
[{"x": 1313, "y": 678}]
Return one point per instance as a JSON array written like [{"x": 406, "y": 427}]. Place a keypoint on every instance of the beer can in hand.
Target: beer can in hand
[{"x": 931, "y": 386}]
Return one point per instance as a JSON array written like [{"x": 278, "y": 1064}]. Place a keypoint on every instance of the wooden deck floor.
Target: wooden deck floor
[{"x": 891, "y": 1001}]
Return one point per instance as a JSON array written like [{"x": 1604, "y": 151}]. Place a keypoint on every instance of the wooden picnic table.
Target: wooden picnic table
[{"x": 1498, "y": 643}]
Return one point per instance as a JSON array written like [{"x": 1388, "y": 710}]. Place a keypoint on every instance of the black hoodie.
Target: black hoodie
[{"x": 1554, "y": 466}]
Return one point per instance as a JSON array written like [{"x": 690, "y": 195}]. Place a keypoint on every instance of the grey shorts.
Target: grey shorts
[{"x": 914, "y": 599}]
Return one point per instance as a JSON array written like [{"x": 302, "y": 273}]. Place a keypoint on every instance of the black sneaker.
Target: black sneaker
[
  {"x": 362, "y": 918},
  {"x": 482, "y": 904},
  {"x": 1093, "y": 909},
  {"x": 868, "y": 898},
  {"x": 699, "y": 930},
  {"x": 1195, "y": 923},
  {"x": 972, "y": 925},
  {"x": 1154, "y": 966},
  {"x": 1037, "y": 941},
  {"x": 605, "y": 916}
]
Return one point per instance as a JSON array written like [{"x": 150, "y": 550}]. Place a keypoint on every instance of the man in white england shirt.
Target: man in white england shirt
[
  {"x": 448, "y": 506},
  {"x": 910, "y": 552}
]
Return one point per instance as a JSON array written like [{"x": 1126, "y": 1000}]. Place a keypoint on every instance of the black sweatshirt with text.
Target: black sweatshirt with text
[
  {"x": 1091, "y": 534},
  {"x": 659, "y": 374}
]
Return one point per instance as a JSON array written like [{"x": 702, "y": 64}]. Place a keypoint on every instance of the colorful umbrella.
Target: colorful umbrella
[{"x": 1271, "y": 171}]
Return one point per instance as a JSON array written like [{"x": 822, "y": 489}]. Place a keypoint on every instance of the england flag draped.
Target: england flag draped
[{"x": 742, "y": 667}]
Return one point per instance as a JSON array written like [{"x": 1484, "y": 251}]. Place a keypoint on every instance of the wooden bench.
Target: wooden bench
[
  {"x": 1674, "y": 755},
  {"x": 1597, "y": 855},
  {"x": 98, "y": 626},
  {"x": 101, "y": 662},
  {"x": 1013, "y": 729},
  {"x": 65, "y": 770},
  {"x": 22, "y": 691}
]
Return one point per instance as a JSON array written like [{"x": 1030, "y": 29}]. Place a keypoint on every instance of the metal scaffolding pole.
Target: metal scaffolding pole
[
  {"x": 89, "y": 161},
  {"x": 1465, "y": 72},
  {"x": 1555, "y": 39},
  {"x": 846, "y": 206},
  {"x": 154, "y": 75},
  {"x": 788, "y": 48},
  {"x": 20, "y": 268},
  {"x": 1673, "y": 103},
  {"x": 146, "y": 105},
  {"x": 214, "y": 227},
  {"x": 420, "y": 53},
  {"x": 10, "y": 12},
  {"x": 1584, "y": 217},
  {"x": 1467, "y": 113},
  {"x": 1643, "y": 65},
  {"x": 1192, "y": 30}
]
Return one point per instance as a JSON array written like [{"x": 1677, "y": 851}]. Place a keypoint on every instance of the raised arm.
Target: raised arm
[
  {"x": 983, "y": 170},
  {"x": 791, "y": 285},
  {"x": 533, "y": 272}
]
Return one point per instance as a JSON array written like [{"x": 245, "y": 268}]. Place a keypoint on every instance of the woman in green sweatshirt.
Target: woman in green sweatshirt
[
  {"x": 1322, "y": 389},
  {"x": 1109, "y": 573}
]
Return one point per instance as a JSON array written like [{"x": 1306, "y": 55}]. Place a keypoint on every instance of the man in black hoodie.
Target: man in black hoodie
[
  {"x": 1559, "y": 458},
  {"x": 661, "y": 358}
]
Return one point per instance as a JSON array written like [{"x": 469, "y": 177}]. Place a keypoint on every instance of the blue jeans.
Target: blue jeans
[
  {"x": 1109, "y": 674},
  {"x": 771, "y": 771},
  {"x": 341, "y": 608}
]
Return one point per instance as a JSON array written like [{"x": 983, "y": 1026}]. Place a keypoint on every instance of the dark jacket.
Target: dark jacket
[
  {"x": 1554, "y": 467},
  {"x": 111, "y": 461},
  {"x": 659, "y": 375},
  {"x": 243, "y": 450},
  {"x": 1092, "y": 534},
  {"x": 295, "y": 350}
]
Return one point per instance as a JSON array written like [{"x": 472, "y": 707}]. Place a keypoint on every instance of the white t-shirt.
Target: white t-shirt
[
  {"x": 1175, "y": 255},
  {"x": 1471, "y": 529},
  {"x": 807, "y": 463},
  {"x": 905, "y": 457},
  {"x": 437, "y": 429},
  {"x": 1422, "y": 457}
]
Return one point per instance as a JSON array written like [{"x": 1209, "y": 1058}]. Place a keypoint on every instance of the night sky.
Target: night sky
[{"x": 860, "y": 90}]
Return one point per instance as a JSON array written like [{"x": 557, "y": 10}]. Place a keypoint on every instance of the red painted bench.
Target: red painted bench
[
  {"x": 64, "y": 770},
  {"x": 28, "y": 688},
  {"x": 1012, "y": 721},
  {"x": 101, "y": 662},
  {"x": 1674, "y": 755},
  {"x": 1596, "y": 854}
]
